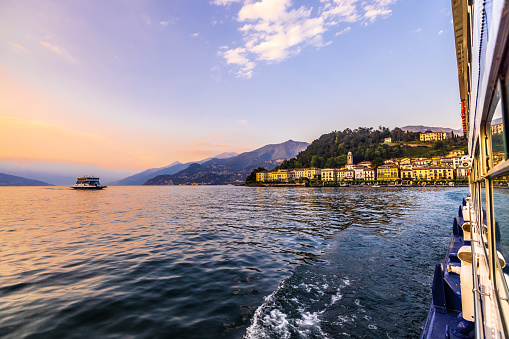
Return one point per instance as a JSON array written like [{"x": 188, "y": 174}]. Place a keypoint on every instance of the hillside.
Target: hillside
[
  {"x": 232, "y": 170},
  {"x": 12, "y": 180},
  {"x": 422, "y": 129},
  {"x": 142, "y": 177},
  {"x": 366, "y": 144}
]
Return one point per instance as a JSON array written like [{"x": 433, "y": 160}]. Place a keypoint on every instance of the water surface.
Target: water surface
[{"x": 221, "y": 261}]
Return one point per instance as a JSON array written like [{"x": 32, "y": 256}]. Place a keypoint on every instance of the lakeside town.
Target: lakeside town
[{"x": 399, "y": 171}]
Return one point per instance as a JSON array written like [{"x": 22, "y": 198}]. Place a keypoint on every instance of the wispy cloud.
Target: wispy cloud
[
  {"x": 169, "y": 21},
  {"x": 58, "y": 50},
  {"x": 344, "y": 31},
  {"x": 16, "y": 47},
  {"x": 274, "y": 30},
  {"x": 195, "y": 35},
  {"x": 445, "y": 11},
  {"x": 242, "y": 122},
  {"x": 224, "y": 2},
  {"x": 440, "y": 32},
  {"x": 54, "y": 48},
  {"x": 418, "y": 30}
]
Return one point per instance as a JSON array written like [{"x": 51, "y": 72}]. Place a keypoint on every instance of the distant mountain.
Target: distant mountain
[
  {"x": 177, "y": 166},
  {"x": 422, "y": 129},
  {"x": 12, "y": 180},
  {"x": 232, "y": 170}
]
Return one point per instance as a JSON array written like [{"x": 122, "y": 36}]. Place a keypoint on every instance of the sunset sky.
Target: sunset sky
[{"x": 130, "y": 85}]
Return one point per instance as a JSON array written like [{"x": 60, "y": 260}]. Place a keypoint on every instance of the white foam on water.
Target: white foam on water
[
  {"x": 372, "y": 327},
  {"x": 345, "y": 319},
  {"x": 263, "y": 324}
]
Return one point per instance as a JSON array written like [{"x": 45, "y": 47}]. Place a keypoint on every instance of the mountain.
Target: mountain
[
  {"x": 422, "y": 129},
  {"x": 12, "y": 180},
  {"x": 142, "y": 177},
  {"x": 232, "y": 170}
]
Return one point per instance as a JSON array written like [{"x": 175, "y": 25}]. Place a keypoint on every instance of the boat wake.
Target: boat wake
[{"x": 303, "y": 306}]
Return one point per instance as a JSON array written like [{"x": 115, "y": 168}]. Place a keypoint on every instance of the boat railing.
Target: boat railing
[{"x": 476, "y": 291}]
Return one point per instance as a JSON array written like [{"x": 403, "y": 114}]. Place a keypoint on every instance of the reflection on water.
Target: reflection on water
[{"x": 208, "y": 262}]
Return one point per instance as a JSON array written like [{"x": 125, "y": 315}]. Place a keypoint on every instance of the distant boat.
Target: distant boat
[
  {"x": 344, "y": 185},
  {"x": 88, "y": 183},
  {"x": 375, "y": 186}
]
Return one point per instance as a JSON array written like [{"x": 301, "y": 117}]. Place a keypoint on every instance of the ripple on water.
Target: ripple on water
[{"x": 209, "y": 262}]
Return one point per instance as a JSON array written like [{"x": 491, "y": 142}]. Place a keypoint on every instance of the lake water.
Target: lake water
[{"x": 220, "y": 261}]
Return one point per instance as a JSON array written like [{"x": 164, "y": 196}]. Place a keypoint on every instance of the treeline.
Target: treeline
[{"x": 366, "y": 144}]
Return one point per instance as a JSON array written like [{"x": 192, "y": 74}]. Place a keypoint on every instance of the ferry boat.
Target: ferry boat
[
  {"x": 88, "y": 183},
  {"x": 470, "y": 294}
]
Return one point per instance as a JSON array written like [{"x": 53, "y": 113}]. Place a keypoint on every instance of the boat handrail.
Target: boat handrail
[
  {"x": 504, "y": 282},
  {"x": 476, "y": 291}
]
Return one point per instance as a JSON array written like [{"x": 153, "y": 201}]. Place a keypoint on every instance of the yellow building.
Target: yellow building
[
  {"x": 456, "y": 153},
  {"x": 440, "y": 173},
  {"x": 420, "y": 173},
  {"x": 433, "y": 136},
  {"x": 407, "y": 173},
  {"x": 310, "y": 173},
  {"x": 497, "y": 129},
  {"x": 387, "y": 172},
  {"x": 330, "y": 174},
  {"x": 262, "y": 176},
  {"x": 281, "y": 175}
]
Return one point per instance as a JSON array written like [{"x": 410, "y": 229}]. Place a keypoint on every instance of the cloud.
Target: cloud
[
  {"x": 440, "y": 32},
  {"x": 170, "y": 21},
  {"x": 16, "y": 47},
  {"x": 238, "y": 56},
  {"x": 242, "y": 122},
  {"x": 224, "y": 2},
  {"x": 195, "y": 35},
  {"x": 274, "y": 30},
  {"x": 58, "y": 50},
  {"x": 54, "y": 48},
  {"x": 344, "y": 31},
  {"x": 418, "y": 30}
]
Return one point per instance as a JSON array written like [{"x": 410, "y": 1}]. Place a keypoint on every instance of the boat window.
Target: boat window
[
  {"x": 495, "y": 132},
  {"x": 501, "y": 216}
]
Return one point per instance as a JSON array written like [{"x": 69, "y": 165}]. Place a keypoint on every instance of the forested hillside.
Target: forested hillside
[{"x": 366, "y": 144}]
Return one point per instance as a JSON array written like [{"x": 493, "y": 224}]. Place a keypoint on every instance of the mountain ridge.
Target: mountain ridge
[
  {"x": 175, "y": 167},
  {"x": 232, "y": 170},
  {"x": 14, "y": 180}
]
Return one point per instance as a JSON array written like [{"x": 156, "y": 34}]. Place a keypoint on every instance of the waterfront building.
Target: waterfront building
[
  {"x": 340, "y": 175},
  {"x": 433, "y": 136},
  {"x": 309, "y": 173},
  {"x": 456, "y": 153},
  {"x": 407, "y": 174},
  {"x": 365, "y": 164},
  {"x": 349, "y": 174},
  {"x": 421, "y": 162},
  {"x": 461, "y": 173},
  {"x": 448, "y": 161},
  {"x": 388, "y": 140},
  {"x": 440, "y": 173},
  {"x": 498, "y": 157},
  {"x": 281, "y": 175},
  {"x": 387, "y": 172},
  {"x": 497, "y": 129},
  {"x": 420, "y": 173},
  {"x": 358, "y": 172},
  {"x": 330, "y": 174},
  {"x": 369, "y": 174},
  {"x": 262, "y": 176}
]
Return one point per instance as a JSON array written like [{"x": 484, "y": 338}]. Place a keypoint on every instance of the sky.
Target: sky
[{"x": 126, "y": 85}]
